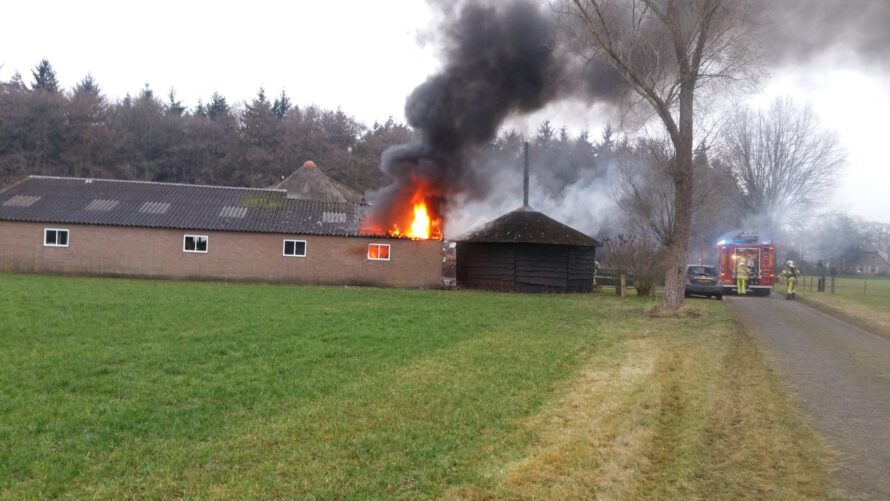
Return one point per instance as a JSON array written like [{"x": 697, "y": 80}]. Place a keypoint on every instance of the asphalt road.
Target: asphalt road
[{"x": 840, "y": 375}]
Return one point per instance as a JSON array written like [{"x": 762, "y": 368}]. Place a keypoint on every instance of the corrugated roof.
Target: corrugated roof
[
  {"x": 61, "y": 200},
  {"x": 531, "y": 227}
]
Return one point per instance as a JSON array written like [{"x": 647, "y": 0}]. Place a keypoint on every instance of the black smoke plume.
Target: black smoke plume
[{"x": 500, "y": 60}]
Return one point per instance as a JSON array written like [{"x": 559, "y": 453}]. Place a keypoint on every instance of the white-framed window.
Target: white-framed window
[
  {"x": 294, "y": 248},
  {"x": 55, "y": 237},
  {"x": 378, "y": 252},
  {"x": 194, "y": 243}
]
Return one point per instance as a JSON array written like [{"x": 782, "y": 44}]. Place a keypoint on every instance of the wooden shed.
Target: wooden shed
[{"x": 526, "y": 251}]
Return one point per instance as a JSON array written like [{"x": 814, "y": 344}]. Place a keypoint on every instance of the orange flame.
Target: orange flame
[
  {"x": 419, "y": 216},
  {"x": 420, "y": 227}
]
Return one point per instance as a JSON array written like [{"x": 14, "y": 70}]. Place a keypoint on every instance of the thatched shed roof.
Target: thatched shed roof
[
  {"x": 310, "y": 183},
  {"x": 529, "y": 226}
]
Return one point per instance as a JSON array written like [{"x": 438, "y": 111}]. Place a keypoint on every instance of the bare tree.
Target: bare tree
[
  {"x": 645, "y": 191},
  {"x": 666, "y": 51},
  {"x": 781, "y": 160},
  {"x": 645, "y": 194}
]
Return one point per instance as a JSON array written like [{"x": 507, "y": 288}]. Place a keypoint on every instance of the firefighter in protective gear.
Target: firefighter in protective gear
[
  {"x": 791, "y": 273},
  {"x": 741, "y": 275}
]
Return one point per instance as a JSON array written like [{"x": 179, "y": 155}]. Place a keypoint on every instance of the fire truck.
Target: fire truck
[{"x": 760, "y": 256}]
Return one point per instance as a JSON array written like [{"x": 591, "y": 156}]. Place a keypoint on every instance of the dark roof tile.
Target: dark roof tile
[{"x": 59, "y": 200}]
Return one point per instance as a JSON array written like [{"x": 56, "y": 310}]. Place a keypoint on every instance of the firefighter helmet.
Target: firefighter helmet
[{"x": 789, "y": 263}]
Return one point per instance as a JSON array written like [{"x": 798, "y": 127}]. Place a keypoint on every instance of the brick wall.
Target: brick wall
[{"x": 106, "y": 250}]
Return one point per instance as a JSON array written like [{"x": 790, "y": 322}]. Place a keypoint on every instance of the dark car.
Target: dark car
[{"x": 703, "y": 281}]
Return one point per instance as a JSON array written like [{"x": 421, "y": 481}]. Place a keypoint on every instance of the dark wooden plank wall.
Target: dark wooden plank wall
[
  {"x": 486, "y": 266},
  {"x": 541, "y": 268},
  {"x": 525, "y": 267},
  {"x": 582, "y": 263}
]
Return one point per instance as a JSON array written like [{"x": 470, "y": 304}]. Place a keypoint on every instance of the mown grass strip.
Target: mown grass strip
[{"x": 678, "y": 408}]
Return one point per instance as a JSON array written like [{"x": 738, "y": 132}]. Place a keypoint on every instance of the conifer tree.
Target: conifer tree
[
  {"x": 45, "y": 77},
  {"x": 87, "y": 86},
  {"x": 281, "y": 105},
  {"x": 217, "y": 108},
  {"x": 174, "y": 107}
]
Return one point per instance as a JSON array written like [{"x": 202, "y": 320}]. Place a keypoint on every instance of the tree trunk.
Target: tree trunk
[{"x": 678, "y": 250}]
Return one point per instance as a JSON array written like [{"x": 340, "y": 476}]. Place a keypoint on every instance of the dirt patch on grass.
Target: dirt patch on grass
[{"x": 686, "y": 311}]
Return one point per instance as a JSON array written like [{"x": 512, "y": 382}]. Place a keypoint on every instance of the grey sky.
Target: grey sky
[{"x": 364, "y": 57}]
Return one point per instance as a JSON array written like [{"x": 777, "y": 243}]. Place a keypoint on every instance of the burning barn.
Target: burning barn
[{"x": 132, "y": 228}]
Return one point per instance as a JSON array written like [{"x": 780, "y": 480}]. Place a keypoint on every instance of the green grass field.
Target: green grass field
[
  {"x": 115, "y": 389},
  {"x": 863, "y": 301}
]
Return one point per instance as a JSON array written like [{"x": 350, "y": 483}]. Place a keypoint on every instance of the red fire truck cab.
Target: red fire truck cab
[{"x": 760, "y": 258}]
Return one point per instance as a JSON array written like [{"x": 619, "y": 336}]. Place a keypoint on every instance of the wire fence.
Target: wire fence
[{"x": 862, "y": 285}]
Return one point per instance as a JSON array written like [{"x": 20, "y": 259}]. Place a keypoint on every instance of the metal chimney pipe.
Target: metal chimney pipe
[{"x": 525, "y": 180}]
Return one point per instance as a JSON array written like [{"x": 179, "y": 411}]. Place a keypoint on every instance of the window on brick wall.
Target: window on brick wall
[
  {"x": 194, "y": 243},
  {"x": 378, "y": 252},
  {"x": 54, "y": 237},
  {"x": 295, "y": 248}
]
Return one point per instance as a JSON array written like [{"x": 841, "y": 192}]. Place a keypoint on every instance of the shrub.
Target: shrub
[{"x": 635, "y": 255}]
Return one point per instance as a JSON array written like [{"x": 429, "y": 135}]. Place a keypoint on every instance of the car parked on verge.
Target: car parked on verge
[{"x": 703, "y": 280}]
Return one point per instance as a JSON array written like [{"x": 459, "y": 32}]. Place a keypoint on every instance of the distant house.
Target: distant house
[
  {"x": 131, "y": 228},
  {"x": 869, "y": 261},
  {"x": 310, "y": 183}
]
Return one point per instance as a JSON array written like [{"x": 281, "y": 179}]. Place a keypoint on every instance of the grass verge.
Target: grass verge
[
  {"x": 862, "y": 302},
  {"x": 127, "y": 388}
]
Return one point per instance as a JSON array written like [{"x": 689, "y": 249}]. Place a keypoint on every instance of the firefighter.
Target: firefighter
[
  {"x": 791, "y": 273},
  {"x": 741, "y": 275}
]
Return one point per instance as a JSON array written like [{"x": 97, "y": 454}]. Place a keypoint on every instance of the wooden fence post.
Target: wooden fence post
[{"x": 622, "y": 285}]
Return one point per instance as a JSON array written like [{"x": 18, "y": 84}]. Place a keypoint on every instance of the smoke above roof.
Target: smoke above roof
[
  {"x": 511, "y": 58},
  {"x": 500, "y": 60}
]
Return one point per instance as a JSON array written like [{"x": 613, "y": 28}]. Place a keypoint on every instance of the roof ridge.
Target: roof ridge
[
  {"x": 526, "y": 225},
  {"x": 163, "y": 183},
  {"x": 4, "y": 189}
]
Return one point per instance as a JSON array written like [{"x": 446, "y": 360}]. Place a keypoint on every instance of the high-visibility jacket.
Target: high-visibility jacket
[
  {"x": 791, "y": 272},
  {"x": 741, "y": 270}
]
